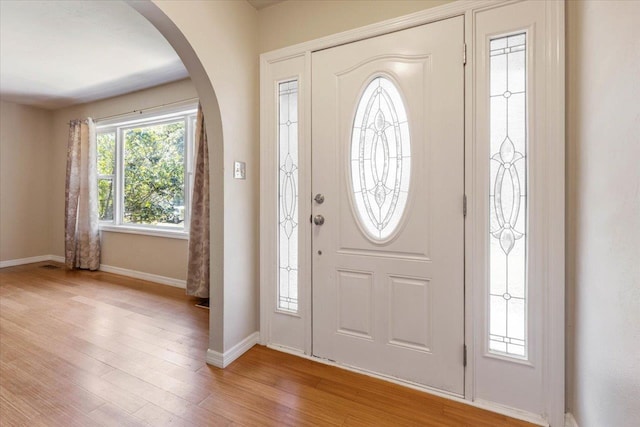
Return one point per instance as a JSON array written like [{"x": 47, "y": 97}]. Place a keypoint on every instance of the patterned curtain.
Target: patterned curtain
[
  {"x": 198, "y": 267},
  {"x": 81, "y": 235}
]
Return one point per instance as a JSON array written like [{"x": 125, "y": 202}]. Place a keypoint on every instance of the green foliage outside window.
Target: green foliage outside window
[
  {"x": 106, "y": 171},
  {"x": 154, "y": 174}
]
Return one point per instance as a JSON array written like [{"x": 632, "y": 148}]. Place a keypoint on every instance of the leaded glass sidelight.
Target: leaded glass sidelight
[
  {"x": 508, "y": 197},
  {"x": 380, "y": 158},
  {"x": 288, "y": 196}
]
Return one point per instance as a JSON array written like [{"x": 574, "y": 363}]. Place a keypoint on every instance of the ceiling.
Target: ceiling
[
  {"x": 261, "y": 4},
  {"x": 58, "y": 53}
]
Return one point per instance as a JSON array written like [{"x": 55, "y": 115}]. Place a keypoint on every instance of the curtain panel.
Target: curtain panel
[
  {"x": 198, "y": 264},
  {"x": 82, "y": 236}
]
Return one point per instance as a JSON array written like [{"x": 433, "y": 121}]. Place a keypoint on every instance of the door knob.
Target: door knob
[{"x": 318, "y": 220}]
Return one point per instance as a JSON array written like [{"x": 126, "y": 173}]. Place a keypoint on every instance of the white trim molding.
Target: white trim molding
[
  {"x": 57, "y": 258},
  {"x": 569, "y": 420},
  {"x": 222, "y": 360},
  {"x": 509, "y": 412},
  {"x": 143, "y": 231},
  {"x": 29, "y": 260},
  {"x": 155, "y": 278}
]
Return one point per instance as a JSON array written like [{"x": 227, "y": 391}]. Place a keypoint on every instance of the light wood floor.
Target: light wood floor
[{"x": 85, "y": 349}]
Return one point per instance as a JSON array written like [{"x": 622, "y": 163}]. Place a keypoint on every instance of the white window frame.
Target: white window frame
[{"x": 118, "y": 126}]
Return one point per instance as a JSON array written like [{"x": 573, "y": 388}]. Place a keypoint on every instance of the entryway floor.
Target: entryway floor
[{"x": 93, "y": 348}]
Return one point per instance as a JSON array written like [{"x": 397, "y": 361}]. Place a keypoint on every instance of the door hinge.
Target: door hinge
[
  {"x": 464, "y": 54},
  {"x": 464, "y": 205},
  {"x": 464, "y": 355}
]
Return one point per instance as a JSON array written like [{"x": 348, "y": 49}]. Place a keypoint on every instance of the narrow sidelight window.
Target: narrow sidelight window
[
  {"x": 288, "y": 196},
  {"x": 508, "y": 196}
]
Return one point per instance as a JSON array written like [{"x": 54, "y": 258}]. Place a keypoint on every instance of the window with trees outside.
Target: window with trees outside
[{"x": 144, "y": 172}]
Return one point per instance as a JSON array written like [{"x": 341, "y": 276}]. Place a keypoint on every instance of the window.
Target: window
[
  {"x": 288, "y": 196},
  {"x": 144, "y": 172},
  {"x": 508, "y": 197},
  {"x": 380, "y": 158}
]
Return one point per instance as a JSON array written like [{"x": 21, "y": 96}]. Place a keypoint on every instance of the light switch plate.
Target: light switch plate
[{"x": 240, "y": 170}]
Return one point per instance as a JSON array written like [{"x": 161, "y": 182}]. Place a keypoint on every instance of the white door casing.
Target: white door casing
[{"x": 393, "y": 302}]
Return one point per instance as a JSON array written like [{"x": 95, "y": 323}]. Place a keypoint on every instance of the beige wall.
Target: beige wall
[
  {"x": 297, "y": 21},
  {"x": 224, "y": 36},
  {"x": 33, "y": 144},
  {"x": 603, "y": 215},
  {"x": 25, "y": 201},
  {"x": 149, "y": 254}
]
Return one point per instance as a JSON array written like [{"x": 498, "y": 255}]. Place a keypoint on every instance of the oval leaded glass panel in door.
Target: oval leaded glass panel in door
[{"x": 380, "y": 158}]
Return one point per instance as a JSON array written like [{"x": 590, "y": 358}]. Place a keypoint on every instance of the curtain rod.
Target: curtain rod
[{"x": 141, "y": 110}]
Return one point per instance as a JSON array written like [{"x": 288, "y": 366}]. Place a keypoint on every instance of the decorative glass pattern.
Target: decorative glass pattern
[
  {"x": 288, "y": 195},
  {"x": 380, "y": 158},
  {"x": 508, "y": 197}
]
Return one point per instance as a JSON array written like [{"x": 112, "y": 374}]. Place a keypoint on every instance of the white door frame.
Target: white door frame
[{"x": 552, "y": 242}]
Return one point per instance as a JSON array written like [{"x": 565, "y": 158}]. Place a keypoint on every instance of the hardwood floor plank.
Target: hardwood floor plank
[
  {"x": 89, "y": 382},
  {"x": 110, "y": 415},
  {"x": 243, "y": 415},
  {"x": 189, "y": 392},
  {"x": 60, "y": 390},
  {"x": 167, "y": 399},
  {"x": 310, "y": 399},
  {"x": 48, "y": 402},
  {"x": 9, "y": 304},
  {"x": 297, "y": 418},
  {"x": 80, "y": 360},
  {"x": 156, "y": 416},
  {"x": 397, "y": 405},
  {"x": 16, "y": 408},
  {"x": 84, "y": 348}
]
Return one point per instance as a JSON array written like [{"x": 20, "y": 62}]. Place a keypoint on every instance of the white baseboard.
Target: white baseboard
[
  {"x": 222, "y": 360},
  {"x": 30, "y": 260},
  {"x": 510, "y": 412},
  {"x": 569, "y": 420},
  {"x": 163, "y": 280}
]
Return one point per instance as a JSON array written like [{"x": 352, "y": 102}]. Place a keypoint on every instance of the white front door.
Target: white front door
[{"x": 387, "y": 156}]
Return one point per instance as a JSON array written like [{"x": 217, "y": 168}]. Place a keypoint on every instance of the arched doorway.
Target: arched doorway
[{"x": 216, "y": 43}]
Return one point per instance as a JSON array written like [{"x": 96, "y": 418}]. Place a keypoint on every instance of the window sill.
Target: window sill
[{"x": 171, "y": 234}]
